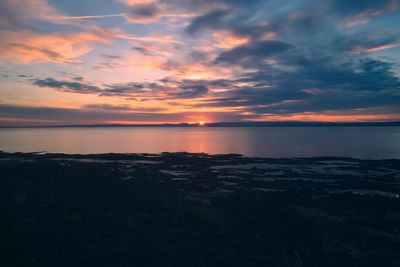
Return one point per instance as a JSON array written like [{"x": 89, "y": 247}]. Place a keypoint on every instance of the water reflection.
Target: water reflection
[{"x": 362, "y": 142}]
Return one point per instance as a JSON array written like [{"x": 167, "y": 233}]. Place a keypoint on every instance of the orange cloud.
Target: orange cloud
[
  {"x": 321, "y": 117},
  {"x": 27, "y": 46},
  {"x": 360, "y": 49},
  {"x": 227, "y": 40},
  {"x": 365, "y": 16}
]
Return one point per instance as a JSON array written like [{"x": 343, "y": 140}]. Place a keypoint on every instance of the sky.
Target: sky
[{"x": 171, "y": 61}]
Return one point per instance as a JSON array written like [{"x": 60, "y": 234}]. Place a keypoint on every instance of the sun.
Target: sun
[{"x": 201, "y": 123}]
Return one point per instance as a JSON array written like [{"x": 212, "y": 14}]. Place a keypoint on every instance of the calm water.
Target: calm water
[{"x": 360, "y": 142}]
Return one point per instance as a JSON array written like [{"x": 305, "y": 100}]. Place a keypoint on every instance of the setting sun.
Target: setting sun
[{"x": 202, "y": 123}]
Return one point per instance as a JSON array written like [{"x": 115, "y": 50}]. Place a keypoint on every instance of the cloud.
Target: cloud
[
  {"x": 161, "y": 90},
  {"x": 143, "y": 50},
  {"x": 316, "y": 85},
  {"x": 360, "y": 12},
  {"x": 212, "y": 20},
  {"x": 27, "y": 115},
  {"x": 123, "y": 108},
  {"x": 191, "y": 90},
  {"x": 31, "y": 32},
  {"x": 37, "y": 47},
  {"x": 136, "y": 2},
  {"x": 254, "y": 52},
  {"x": 364, "y": 49},
  {"x": 357, "y": 6},
  {"x": 253, "y": 58},
  {"x": 144, "y": 13},
  {"x": 110, "y": 57},
  {"x": 68, "y": 86},
  {"x": 28, "y": 46},
  {"x": 64, "y": 116},
  {"x": 20, "y": 14},
  {"x": 150, "y": 11},
  {"x": 238, "y": 24},
  {"x": 108, "y": 107},
  {"x": 338, "y": 101},
  {"x": 212, "y": 4}
]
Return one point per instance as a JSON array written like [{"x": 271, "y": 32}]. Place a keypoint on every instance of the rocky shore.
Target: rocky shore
[{"x": 182, "y": 209}]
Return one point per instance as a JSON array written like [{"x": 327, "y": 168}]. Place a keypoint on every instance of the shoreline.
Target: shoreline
[
  {"x": 198, "y": 210},
  {"x": 193, "y": 154},
  {"x": 183, "y": 153}
]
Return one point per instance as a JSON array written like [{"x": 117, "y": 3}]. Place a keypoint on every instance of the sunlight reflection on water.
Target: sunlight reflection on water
[{"x": 360, "y": 142}]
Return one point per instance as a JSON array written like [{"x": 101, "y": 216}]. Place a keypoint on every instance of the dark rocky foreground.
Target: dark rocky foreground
[{"x": 198, "y": 210}]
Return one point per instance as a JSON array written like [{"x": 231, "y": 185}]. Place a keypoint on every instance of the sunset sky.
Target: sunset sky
[{"x": 148, "y": 61}]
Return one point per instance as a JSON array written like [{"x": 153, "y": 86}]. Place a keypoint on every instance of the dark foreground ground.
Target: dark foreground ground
[{"x": 197, "y": 210}]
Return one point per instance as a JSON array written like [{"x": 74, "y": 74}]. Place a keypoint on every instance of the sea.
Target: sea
[{"x": 364, "y": 142}]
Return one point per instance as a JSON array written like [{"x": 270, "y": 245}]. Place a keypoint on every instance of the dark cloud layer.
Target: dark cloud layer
[
  {"x": 164, "y": 89},
  {"x": 67, "y": 86},
  {"x": 254, "y": 52},
  {"x": 211, "y": 20},
  {"x": 317, "y": 62},
  {"x": 143, "y": 12}
]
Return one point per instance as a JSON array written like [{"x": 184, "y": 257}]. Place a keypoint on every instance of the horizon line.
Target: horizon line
[{"x": 217, "y": 124}]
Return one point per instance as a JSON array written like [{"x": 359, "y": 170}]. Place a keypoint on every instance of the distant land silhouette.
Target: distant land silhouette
[{"x": 223, "y": 124}]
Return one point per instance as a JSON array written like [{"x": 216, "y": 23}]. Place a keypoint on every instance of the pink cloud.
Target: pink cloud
[
  {"x": 28, "y": 47},
  {"x": 362, "y": 49},
  {"x": 367, "y": 15}
]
